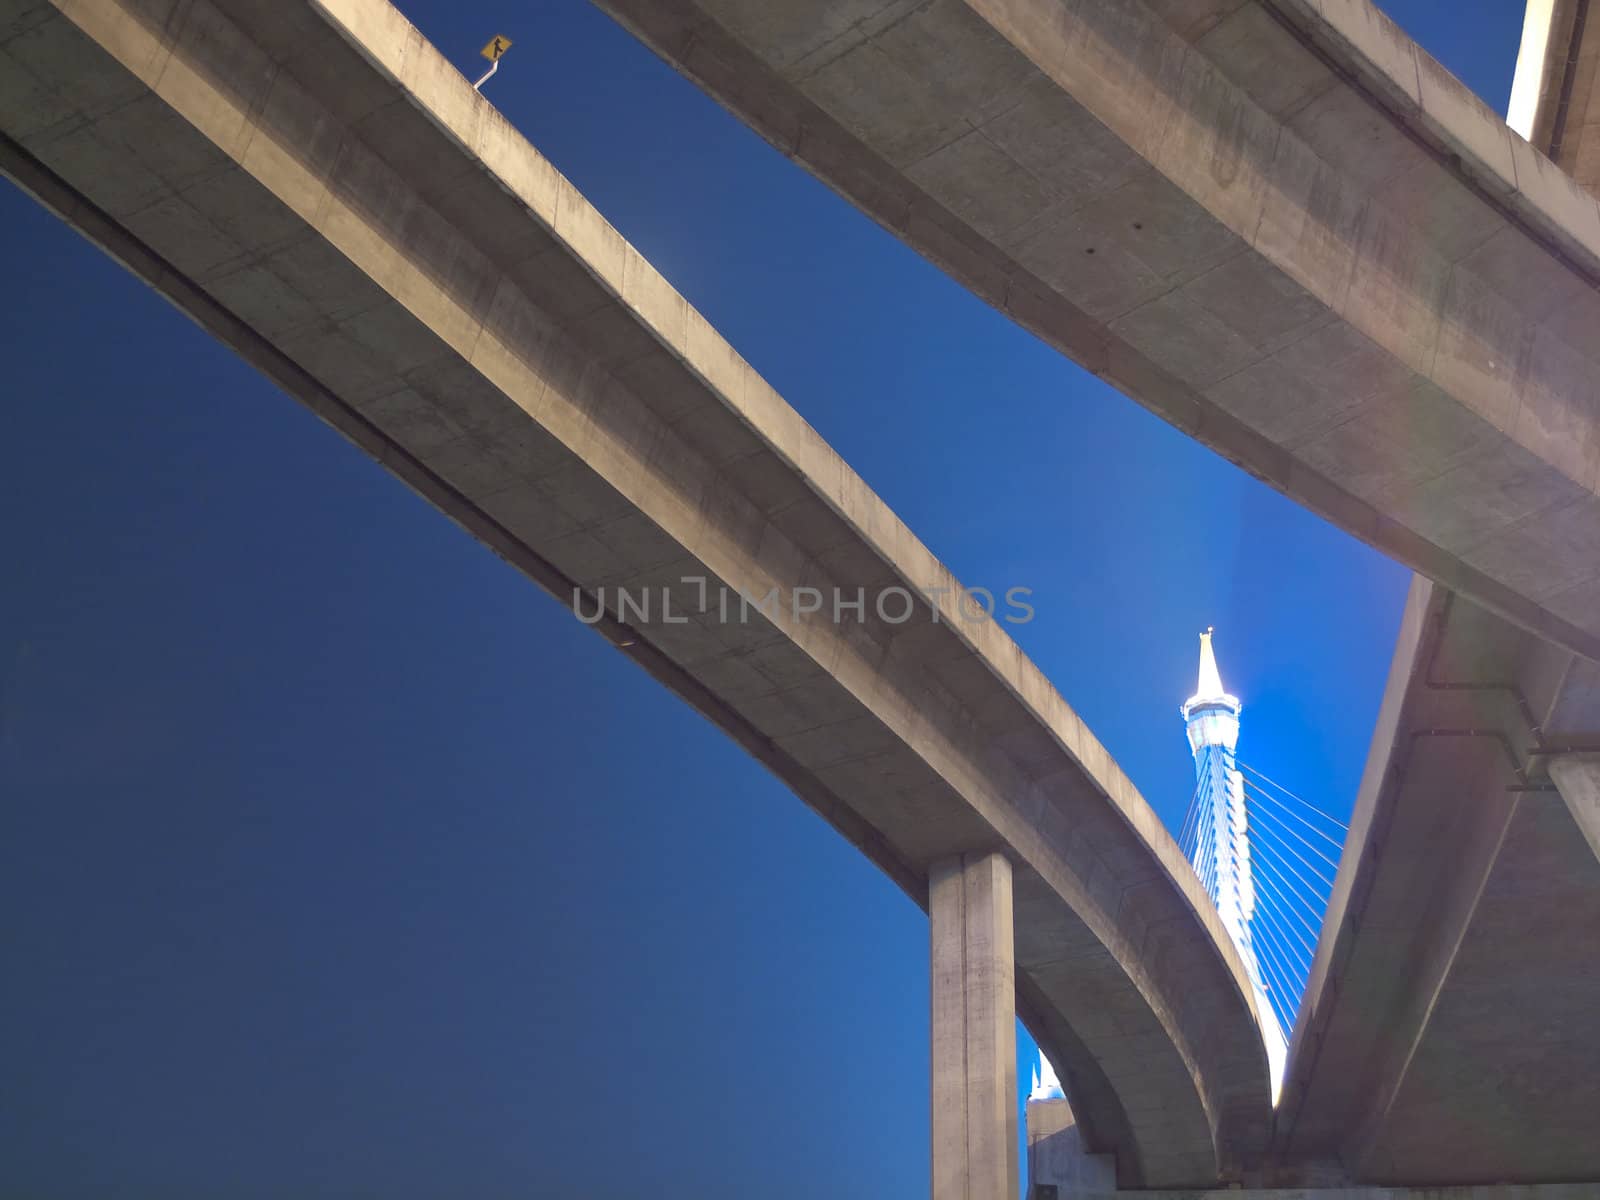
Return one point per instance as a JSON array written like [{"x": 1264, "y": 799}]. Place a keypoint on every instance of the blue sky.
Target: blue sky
[{"x": 338, "y": 860}]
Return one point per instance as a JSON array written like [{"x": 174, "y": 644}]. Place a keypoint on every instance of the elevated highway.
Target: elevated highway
[
  {"x": 1555, "y": 99},
  {"x": 1278, "y": 224},
  {"x": 1447, "y": 1034},
  {"x": 1283, "y": 227},
  {"x": 316, "y": 186}
]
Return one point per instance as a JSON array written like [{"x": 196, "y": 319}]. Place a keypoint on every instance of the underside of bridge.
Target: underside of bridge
[
  {"x": 1278, "y": 224},
  {"x": 1565, "y": 122},
  {"x": 316, "y": 186},
  {"x": 1283, "y": 227},
  {"x": 1448, "y": 1032}
]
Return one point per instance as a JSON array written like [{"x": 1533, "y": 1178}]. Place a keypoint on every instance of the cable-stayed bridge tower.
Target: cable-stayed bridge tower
[{"x": 1221, "y": 836}]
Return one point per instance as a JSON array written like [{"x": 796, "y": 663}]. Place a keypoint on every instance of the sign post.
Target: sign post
[{"x": 496, "y": 48}]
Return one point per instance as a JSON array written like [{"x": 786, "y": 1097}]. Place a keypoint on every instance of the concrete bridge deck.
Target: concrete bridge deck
[
  {"x": 315, "y": 185},
  {"x": 1283, "y": 227},
  {"x": 1448, "y": 1031},
  {"x": 1278, "y": 224},
  {"x": 1564, "y": 87},
  {"x": 318, "y": 188}
]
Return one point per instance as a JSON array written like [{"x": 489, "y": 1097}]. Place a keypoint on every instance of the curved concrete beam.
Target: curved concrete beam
[
  {"x": 320, "y": 189},
  {"x": 1278, "y": 224},
  {"x": 1533, "y": 72}
]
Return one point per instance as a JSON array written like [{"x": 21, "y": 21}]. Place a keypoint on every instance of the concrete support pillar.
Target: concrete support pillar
[
  {"x": 1577, "y": 778},
  {"x": 974, "y": 1030}
]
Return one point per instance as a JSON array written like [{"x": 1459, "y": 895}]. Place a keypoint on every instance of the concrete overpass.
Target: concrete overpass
[
  {"x": 1286, "y": 229},
  {"x": 1447, "y": 1041},
  {"x": 316, "y": 186},
  {"x": 1278, "y": 224},
  {"x": 1448, "y": 1031},
  {"x": 1555, "y": 99}
]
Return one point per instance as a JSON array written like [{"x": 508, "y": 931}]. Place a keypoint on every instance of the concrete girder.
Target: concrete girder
[
  {"x": 1566, "y": 119},
  {"x": 1278, "y": 224},
  {"x": 317, "y": 187},
  {"x": 1577, "y": 778},
  {"x": 1443, "y": 1039}
]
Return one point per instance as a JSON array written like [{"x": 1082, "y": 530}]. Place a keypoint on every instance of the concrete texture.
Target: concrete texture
[
  {"x": 1057, "y": 1157},
  {"x": 316, "y": 186},
  {"x": 1276, "y": 223},
  {"x": 1447, "y": 1034},
  {"x": 1577, "y": 778},
  {"x": 1566, "y": 124},
  {"x": 974, "y": 1028}
]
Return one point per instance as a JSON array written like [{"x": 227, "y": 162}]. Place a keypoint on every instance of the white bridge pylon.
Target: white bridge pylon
[{"x": 1221, "y": 841}]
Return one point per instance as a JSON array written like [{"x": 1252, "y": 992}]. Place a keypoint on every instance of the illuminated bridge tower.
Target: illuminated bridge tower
[{"x": 1221, "y": 838}]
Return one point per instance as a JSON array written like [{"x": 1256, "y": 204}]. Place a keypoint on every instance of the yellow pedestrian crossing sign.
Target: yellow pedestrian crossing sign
[{"x": 496, "y": 47}]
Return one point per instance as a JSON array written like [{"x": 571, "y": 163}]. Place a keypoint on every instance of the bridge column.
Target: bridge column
[
  {"x": 974, "y": 1029},
  {"x": 1577, "y": 778}
]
